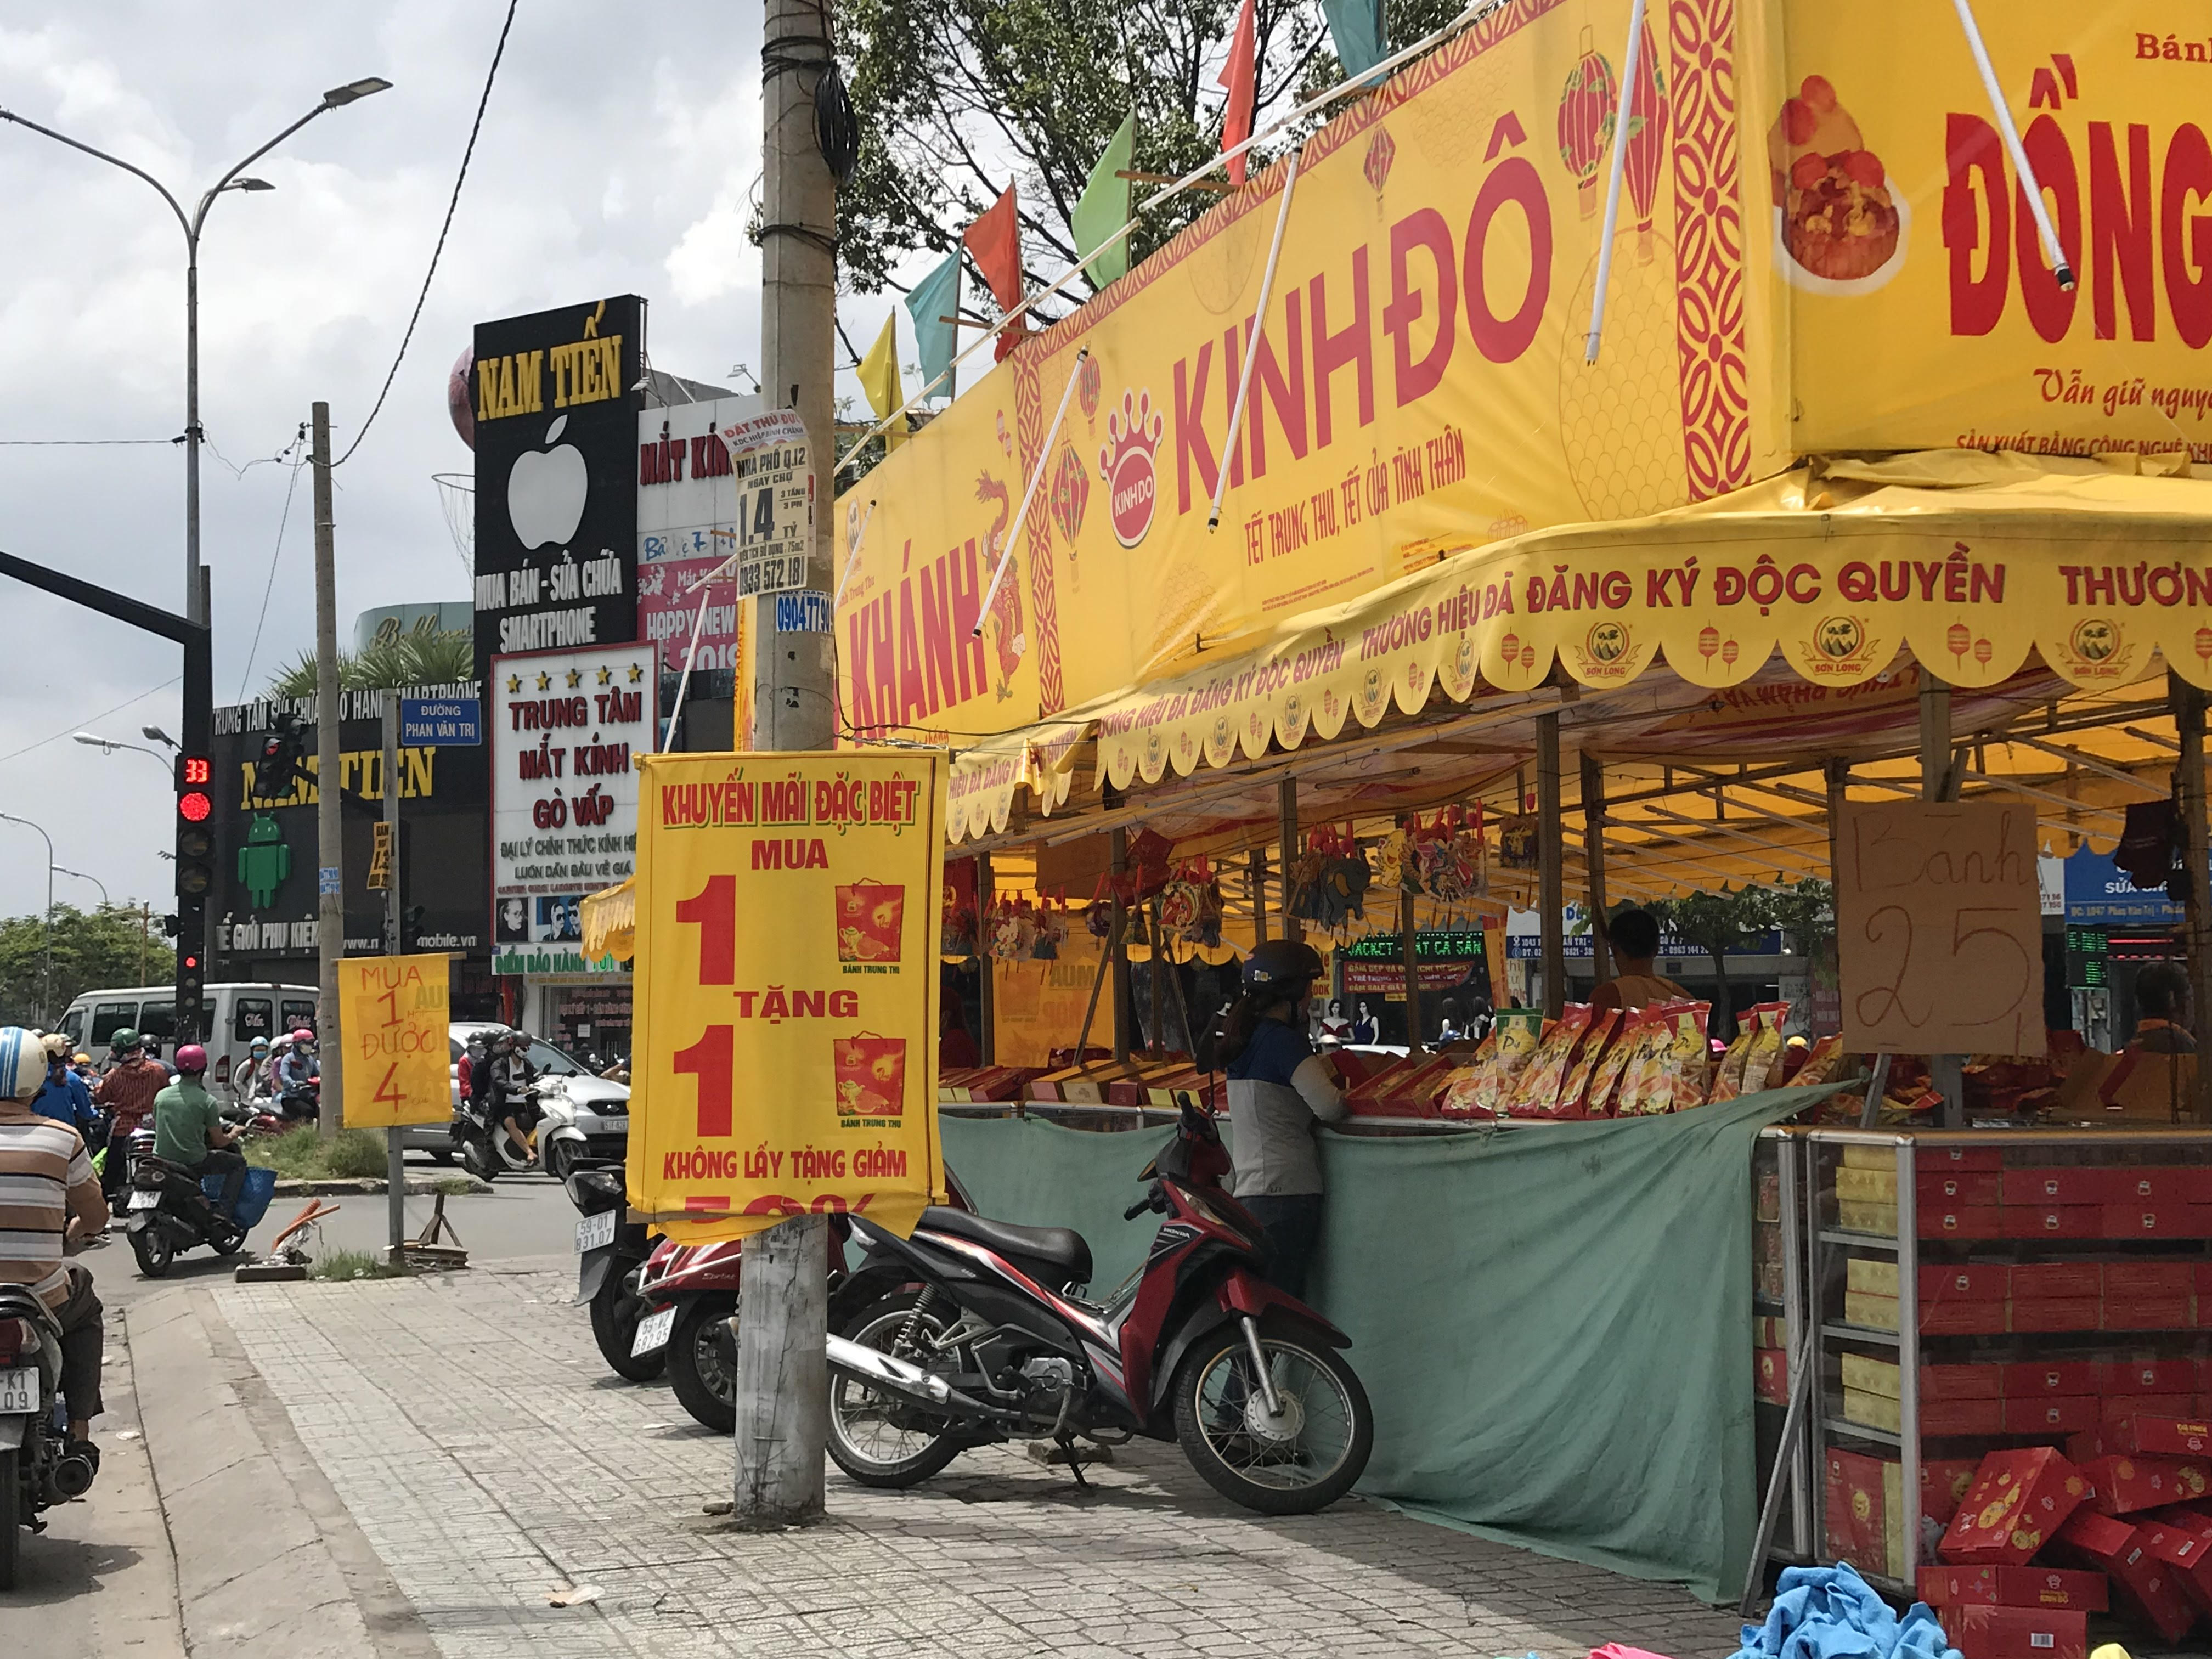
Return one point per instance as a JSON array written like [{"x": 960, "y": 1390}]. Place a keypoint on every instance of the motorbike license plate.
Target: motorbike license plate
[
  {"x": 653, "y": 1333},
  {"x": 595, "y": 1230},
  {"x": 19, "y": 1390},
  {"x": 144, "y": 1200}
]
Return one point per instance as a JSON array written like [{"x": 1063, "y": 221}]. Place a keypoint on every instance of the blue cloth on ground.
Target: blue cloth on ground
[{"x": 1831, "y": 1612}]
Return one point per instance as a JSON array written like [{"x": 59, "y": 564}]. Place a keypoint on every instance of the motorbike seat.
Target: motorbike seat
[{"x": 1061, "y": 1249}]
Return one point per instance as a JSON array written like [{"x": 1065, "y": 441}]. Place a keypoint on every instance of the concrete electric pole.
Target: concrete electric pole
[
  {"x": 783, "y": 1376},
  {"x": 330, "y": 832}
]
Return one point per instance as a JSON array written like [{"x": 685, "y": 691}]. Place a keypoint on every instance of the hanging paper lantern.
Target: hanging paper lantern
[
  {"x": 1646, "y": 139},
  {"x": 1590, "y": 104},
  {"x": 1071, "y": 494},
  {"x": 1086, "y": 387}
]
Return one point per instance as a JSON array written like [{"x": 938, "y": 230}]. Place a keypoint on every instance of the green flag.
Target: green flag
[
  {"x": 1355, "y": 26},
  {"x": 1104, "y": 208},
  {"x": 935, "y": 297}
]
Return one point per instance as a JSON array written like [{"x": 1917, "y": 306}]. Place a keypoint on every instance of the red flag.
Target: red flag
[
  {"x": 995, "y": 240},
  {"x": 1236, "y": 78}
]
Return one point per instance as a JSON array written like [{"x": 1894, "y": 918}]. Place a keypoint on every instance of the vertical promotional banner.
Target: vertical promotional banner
[
  {"x": 786, "y": 1052},
  {"x": 394, "y": 1011}
]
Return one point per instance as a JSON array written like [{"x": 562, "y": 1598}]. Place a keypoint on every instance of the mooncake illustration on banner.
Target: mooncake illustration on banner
[
  {"x": 871, "y": 1075},
  {"x": 870, "y": 914}
]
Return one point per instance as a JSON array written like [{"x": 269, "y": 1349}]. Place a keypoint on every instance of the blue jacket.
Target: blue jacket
[{"x": 66, "y": 1100}]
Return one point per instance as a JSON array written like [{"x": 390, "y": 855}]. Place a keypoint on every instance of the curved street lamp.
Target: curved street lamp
[
  {"x": 46, "y": 968},
  {"x": 336, "y": 97},
  {"x": 109, "y": 746},
  {"x": 105, "y": 902}
]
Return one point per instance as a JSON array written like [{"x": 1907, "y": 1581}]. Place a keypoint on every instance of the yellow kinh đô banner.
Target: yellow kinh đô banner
[
  {"x": 784, "y": 1048},
  {"x": 1823, "y": 247},
  {"x": 393, "y": 1017}
]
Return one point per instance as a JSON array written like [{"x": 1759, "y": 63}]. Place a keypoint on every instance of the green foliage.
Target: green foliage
[
  {"x": 353, "y": 1264},
  {"x": 91, "y": 950},
  {"x": 440, "y": 657},
  {"x": 302, "y": 1154},
  {"x": 1805, "y": 911},
  {"x": 948, "y": 91},
  {"x": 1718, "y": 923}
]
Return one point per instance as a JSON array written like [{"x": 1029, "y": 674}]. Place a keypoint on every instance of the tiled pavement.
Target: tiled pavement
[{"x": 486, "y": 1453}]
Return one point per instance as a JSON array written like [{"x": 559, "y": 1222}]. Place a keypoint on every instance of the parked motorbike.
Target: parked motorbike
[
  {"x": 256, "y": 1116},
  {"x": 609, "y": 1250},
  {"x": 172, "y": 1210},
  {"x": 973, "y": 1331},
  {"x": 37, "y": 1469},
  {"x": 689, "y": 1295}
]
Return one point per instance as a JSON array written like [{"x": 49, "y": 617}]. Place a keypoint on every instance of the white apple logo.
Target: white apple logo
[{"x": 546, "y": 492}]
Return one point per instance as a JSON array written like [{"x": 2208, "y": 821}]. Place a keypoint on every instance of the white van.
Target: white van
[{"x": 238, "y": 1012}]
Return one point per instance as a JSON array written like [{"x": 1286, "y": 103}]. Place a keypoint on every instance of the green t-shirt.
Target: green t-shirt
[{"x": 183, "y": 1113}]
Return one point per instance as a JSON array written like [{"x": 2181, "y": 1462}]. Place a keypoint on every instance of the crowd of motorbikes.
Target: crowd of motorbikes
[{"x": 972, "y": 1332}]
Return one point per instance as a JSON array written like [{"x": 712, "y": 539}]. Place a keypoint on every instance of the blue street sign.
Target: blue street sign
[{"x": 434, "y": 720}]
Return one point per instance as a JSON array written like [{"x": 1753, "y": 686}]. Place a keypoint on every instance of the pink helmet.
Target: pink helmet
[
  {"x": 191, "y": 1058},
  {"x": 303, "y": 1034}
]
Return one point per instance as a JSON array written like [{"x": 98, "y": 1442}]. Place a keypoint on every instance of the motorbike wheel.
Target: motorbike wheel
[
  {"x": 155, "y": 1251},
  {"x": 11, "y": 1520},
  {"x": 476, "y": 1159},
  {"x": 704, "y": 1384},
  {"x": 885, "y": 1439},
  {"x": 614, "y": 1327},
  {"x": 227, "y": 1242},
  {"x": 560, "y": 1161},
  {"x": 1295, "y": 1463}
]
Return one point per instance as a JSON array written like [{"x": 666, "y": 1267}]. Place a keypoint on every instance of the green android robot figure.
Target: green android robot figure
[{"x": 263, "y": 861}]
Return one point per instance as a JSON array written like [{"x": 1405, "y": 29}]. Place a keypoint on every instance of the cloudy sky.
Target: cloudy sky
[{"x": 618, "y": 154}]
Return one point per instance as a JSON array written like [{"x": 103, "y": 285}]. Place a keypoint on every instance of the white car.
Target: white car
[{"x": 586, "y": 1118}]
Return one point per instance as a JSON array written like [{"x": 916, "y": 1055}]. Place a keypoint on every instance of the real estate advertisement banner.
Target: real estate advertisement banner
[
  {"x": 696, "y": 510},
  {"x": 785, "y": 1053},
  {"x": 568, "y": 728}
]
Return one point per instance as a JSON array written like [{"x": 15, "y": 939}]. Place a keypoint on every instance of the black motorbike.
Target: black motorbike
[
  {"x": 37, "y": 1468},
  {"x": 609, "y": 1250},
  {"x": 171, "y": 1211}
]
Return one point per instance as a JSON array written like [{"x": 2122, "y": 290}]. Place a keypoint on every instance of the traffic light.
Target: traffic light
[
  {"x": 283, "y": 757},
  {"x": 195, "y": 875}
]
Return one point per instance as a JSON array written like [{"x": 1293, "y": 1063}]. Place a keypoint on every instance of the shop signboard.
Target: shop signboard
[
  {"x": 2099, "y": 894},
  {"x": 787, "y": 1068},
  {"x": 395, "y": 1013},
  {"x": 566, "y": 730},
  {"x": 1939, "y": 932},
  {"x": 264, "y": 900},
  {"x": 689, "y": 499},
  {"x": 556, "y": 493},
  {"x": 1822, "y": 246}
]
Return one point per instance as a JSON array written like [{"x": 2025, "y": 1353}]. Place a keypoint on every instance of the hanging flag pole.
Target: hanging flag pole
[
  {"x": 853, "y": 554},
  {"x": 1634, "y": 56},
  {"x": 1195, "y": 180},
  {"x": 706, "y": 589},
  {"x": 1044, "y": 460},
  {"x": 1252, "y": 345},
  {"x": 2030, "y": 189}
]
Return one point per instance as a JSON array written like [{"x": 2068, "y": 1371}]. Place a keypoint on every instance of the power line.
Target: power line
[
  {"x": 81, "y": 443},
  {"x": 79, "y": 725},
  {"x": 476, "y": 127},
  {"x": 269, "y": 587}
]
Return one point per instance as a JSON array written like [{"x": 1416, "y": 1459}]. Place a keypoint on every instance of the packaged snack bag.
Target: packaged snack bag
[
  {"x": 1466, "y": 1085},
  {"x": 1686, "y": 1066},
  {"x": 1517, "y": 1032},
  {"x": 1763, "y": 1069},
  {"x": 1643, "y": 1061},
  {"x": 1821, "y": 1065},
  {"x": 1538, "y": 1093},
  {"x": 1575, "y": 1093},
  {"x": 1728, "y": 1081}
]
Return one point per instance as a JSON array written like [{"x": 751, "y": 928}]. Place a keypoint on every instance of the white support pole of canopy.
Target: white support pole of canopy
[
  {"x": 2030, "y": 191},
  {"x": 1634, "y": 55},
  {"x": 1037, "y": 477},
  {"x": 1252, "y": 345}
]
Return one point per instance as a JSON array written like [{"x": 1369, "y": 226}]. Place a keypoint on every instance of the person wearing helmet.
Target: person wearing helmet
[
  {"x": 249, "y": 1081},
  {"x": 64, "y": 1097},
  {"x": 189, "y": 1131},
  {"x": 127, "y": 1092},
  {"x": 49, "y": 1205},
  {"x": 1280, "y": 1093},
  {"x": 292, "y": 1074},
  {"x": 505, "y": 1085}
]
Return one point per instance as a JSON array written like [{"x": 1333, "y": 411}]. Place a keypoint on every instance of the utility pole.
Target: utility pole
[
  {"x": 330, "y": 846},
  {"x": 395, "y": 1172},
  {"x": 783, "y": 1376}
]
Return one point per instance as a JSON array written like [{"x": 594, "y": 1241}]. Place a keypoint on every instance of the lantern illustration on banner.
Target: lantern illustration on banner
[
  {"x": 2204, "y": 645},
  {"x": 1729, "y": 652},
  {"x": 1588, "y": 105},
  {"x": 1984, "y": 651},
  {"x": 1646, "y": 140},
  {"x": 1709, "y": 640},
  {"x": 1960, "y": 638},
  {"x": 1071, "y": 494},
  {"x": 1086, "y": 388}
]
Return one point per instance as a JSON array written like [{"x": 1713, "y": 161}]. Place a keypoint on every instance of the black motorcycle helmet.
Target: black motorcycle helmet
[{"x": 1278, "y": 962}]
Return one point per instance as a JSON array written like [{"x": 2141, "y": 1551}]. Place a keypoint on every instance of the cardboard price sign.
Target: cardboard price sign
[
  {"x": 785, "y": 1058},
  {"x": 1939, "y": 928},
  {"x": 394, "y": 1014}
]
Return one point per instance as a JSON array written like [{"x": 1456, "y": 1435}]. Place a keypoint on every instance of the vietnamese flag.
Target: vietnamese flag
[{"x": 1237, "y": 77}]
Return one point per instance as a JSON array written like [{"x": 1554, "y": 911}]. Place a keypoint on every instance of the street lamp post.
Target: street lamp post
[
  {"x": 63, "y": 870},
  {"x": 46, "y": 966},
  {"x": 336, "y": 97},
  {"x": 109, "y": 746}
]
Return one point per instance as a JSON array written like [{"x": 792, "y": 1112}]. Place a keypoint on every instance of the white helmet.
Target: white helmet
[{"x": 22, "y": 1062}]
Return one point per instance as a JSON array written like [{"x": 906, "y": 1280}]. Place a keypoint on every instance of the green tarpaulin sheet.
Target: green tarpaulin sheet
[{"x": 1553, "y": 1323}]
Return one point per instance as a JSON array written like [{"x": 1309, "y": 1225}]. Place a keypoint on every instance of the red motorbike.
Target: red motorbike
[
  {"x": 684, "y": 1297},
  {"x": 973, "y": 1331}
]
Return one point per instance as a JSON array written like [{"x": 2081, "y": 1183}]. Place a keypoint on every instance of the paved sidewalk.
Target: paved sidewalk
[{"x": 487, "y": 1455}]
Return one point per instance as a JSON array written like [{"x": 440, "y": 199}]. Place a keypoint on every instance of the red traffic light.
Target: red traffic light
[
  {"x": 191, "y": 964},
  {"x": 193, "y": 806}
]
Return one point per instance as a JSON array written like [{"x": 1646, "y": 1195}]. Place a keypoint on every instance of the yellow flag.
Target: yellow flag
[{"x": 879, "y": 378}]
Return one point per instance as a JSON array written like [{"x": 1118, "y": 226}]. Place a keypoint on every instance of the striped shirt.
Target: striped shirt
[
  {"x": 39, "y": 1161},
  {"x": 129, "y": 1090}
]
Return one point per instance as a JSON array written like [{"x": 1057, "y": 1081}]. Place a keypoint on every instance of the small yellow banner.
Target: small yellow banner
[
  {"x": 393, "y": 1013},
  {"x": 785, "y": 1059},
  {"x": 380, "y": 859}
]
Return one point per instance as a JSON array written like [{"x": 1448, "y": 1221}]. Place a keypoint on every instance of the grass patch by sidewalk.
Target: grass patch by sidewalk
[
  {"x": 353, "y": 1264},
  {"x": 302, "y": 1154}
]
